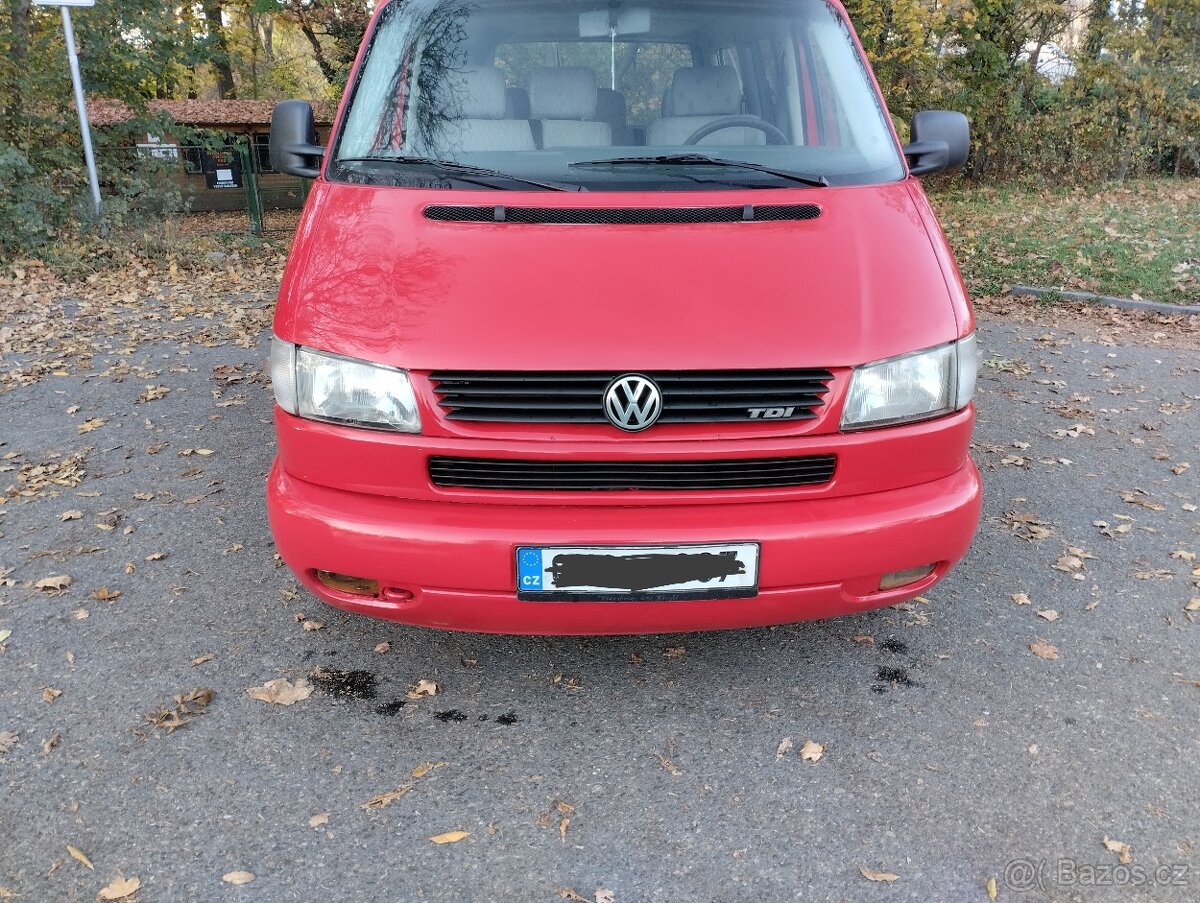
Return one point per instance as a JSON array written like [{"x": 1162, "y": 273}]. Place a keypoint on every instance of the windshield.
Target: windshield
[{"x": 569, "y": 95}]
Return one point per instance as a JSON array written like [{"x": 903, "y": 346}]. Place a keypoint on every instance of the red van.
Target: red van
[{"x": 619, "y": 317}]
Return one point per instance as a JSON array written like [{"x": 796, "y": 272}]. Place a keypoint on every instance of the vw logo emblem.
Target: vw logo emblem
[{"x": 632, "y": 402}]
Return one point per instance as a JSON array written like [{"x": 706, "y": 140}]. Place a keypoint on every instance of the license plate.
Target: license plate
[{"x": 637, "y": 573}]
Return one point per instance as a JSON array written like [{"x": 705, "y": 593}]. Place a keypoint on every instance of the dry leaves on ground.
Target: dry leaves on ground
[
  {"x": 811, "y": 751},
  {"x": 8, "y": 739},
  {"x": 119, "y": 889},
  {"x": 188, "y": 707},
  {"x": 872, "y": 875},
  {"x": 1048, "y": 614},
  {"x": 1021, "y": 599},
  {"x": 425, "y": 768},
  {"x": 282, "y": 691},
  {"x": 238, "y": 877},
  {"x": 53, "y": 584},
  {"x": 316, "y": 821},
  {"x": 785, "y": 747},
  {"x": 423, "y": 688},
  {"x": 1043, "y": 649},
  {"x": 1123, "y": 851},
  {"x": 79, "y": 856},
  {"x": 450, "y": 837},
  {"x": 382, "y": 800}
]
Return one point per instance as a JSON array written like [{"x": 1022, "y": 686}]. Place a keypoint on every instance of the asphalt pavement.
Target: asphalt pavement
[{"x": 958, "y": 739}]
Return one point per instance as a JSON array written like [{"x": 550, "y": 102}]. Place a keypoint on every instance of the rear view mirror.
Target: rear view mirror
[
  {"x": 294, "y": 148},
  {"x": 602, "y": 23},
  {"x": 941, "y": 141}
]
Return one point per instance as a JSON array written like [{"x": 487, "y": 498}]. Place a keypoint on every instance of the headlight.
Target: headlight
[
  {"x": 913, "y": 387},
  {"x": 321, "y": 386}
]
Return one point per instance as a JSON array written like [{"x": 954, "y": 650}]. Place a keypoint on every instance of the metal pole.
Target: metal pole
[{"x": 81, "y": 106}]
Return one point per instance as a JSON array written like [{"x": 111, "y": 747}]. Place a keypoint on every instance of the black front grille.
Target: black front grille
[
  {"x": 621, "y": 216},
  {"x": 689, "y": 396},
  {"x": 589, "y": 476}
]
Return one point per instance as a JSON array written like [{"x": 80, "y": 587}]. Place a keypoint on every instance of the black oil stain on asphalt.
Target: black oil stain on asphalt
[
  {"x": 894, "y": 645},
  {"x": 346, "y": 684},
  {"x": 391, "y": 709},
  {"x": 892, "y": 677},
  {"x": 509, "y": 717},
  {"x": 450, "y": 715}
]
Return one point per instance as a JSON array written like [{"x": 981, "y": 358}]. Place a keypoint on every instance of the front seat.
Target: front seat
[
  {"x": 563, "y": 99},
  {"x": 475, "y": 106},
  {"x": 698, "y": 97}
]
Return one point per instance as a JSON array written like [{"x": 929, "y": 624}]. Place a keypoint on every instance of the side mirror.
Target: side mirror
[
  {"x": 294, "y": 148},
  {"x": 941, "y": 140}
]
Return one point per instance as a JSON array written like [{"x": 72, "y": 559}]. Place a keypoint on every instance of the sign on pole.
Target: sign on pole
[{"x": 77, "y": 80}]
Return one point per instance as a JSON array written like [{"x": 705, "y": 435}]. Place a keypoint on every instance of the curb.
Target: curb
[{"x": 1127, "y": 303}]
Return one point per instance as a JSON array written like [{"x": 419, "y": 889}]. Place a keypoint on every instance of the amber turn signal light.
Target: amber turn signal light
[
  {"x": 901, "y": 578},
  {"x": 344, "y": 583}
]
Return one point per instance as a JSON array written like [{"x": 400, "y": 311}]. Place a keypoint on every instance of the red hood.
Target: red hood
[{"x": 370, "y": 277}]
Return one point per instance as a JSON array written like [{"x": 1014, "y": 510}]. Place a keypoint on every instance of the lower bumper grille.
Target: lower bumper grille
[{"x": 585, "y": 476}]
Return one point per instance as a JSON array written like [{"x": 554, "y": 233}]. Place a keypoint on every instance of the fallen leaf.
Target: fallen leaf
[
  {"x": 1048, "y": 614},
  {"x": 1179, "y": 469},
  {"x": 569, "y": 893},
  {"x": 449, "y": 837},
  {"x": 50, "y": 742},
  {"x": 120, "y": 888},
  {"x": 51, "y": 584},
  {"x": 239, "y": 877},
  {"x": 282, "y": 691},
  {"x": 188, "y": 707},
  {"x": 1124, "y": 853},
  {"x": 674, "y": 651},
  {"x": 381, "y": 800},
  {"x": 562, "y": 829},
  {"x": 1193, "y": 605},
  {"x": 70, "y": 515},
  {"x": 49, "y": 694},
  {"x": 321, "y": 818},
  {"x": 4, "y": 635},
  {"x": 314, "y": 625},
  {"x": 1042, "y": 649},
  {"x": 872, "y": 875},
  {"x": 8, "y": 739},
  {"x": 604, "y": 895},
  {"x": 1021, "y": 599},
  {"x": 104, "y": 594},
  {"x": 383, "y": 648},
  {"x": 1068, "y": 563},
  {"x": 811, "y": 751},
  {"x": 992, "y": 890},
  {"x": 156, "y": 556},
  {"x": 205, "y": 452},
  {"x": 86, "y": 427},
  {"x": 79, "y": 856},
  {"x": 424, "y": 688},
  {"x": 1139, "y": 497},
  {"x": 1183, "y": 555},
  {"x": 785, "y": 747},
  {"x": 421, "y": 770},
  {"x": 864, "y": 639},
  {"x": 202, "y": 659}
]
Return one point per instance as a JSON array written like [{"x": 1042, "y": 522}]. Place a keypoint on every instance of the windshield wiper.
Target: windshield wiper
[
  {"x": 465, "y": 171},
  {"x": 703, "y": 160}
]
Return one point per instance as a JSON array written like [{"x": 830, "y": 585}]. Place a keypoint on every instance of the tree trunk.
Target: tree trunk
[
  {"x": 221, "y": 62},
  {"x": 12, "y": 111},
  {"x": 327, "y": 68},
  {"x": 1097, "y": 28}
]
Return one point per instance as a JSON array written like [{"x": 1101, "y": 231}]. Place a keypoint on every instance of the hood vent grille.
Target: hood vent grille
[{"x": 621, "y": 216}]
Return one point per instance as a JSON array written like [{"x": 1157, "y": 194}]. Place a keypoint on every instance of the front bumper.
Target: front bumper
[{"x": 820, "y": 557}]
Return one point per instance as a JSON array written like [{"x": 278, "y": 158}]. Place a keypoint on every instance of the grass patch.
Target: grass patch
[{"x": 1135, "y": 239}]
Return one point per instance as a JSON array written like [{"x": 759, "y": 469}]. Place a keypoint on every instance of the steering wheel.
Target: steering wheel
[{"x": 774, "y": 136}]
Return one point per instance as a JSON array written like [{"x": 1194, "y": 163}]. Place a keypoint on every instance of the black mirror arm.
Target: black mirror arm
[
  {"x": 927, "y": 156},
  {"x": 312, "y": 151}
]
